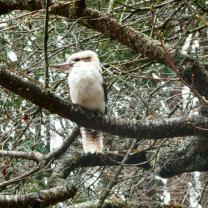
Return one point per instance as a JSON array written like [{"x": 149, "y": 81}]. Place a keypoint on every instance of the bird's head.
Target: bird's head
[{"x": 77, "y": 59}]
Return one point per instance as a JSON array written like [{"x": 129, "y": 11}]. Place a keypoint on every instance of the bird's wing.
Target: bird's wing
[
  {"x": 104, "y": 88},
  {"x": 105, "y": 95}
]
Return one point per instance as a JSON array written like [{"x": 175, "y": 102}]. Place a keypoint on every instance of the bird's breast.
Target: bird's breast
[{"x": 86, "y": 88}]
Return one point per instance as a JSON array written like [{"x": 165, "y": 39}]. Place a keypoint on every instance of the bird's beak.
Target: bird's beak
[{"x": 63, "y": 66}]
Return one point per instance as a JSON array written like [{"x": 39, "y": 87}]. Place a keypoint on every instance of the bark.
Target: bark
[
  {"x": 186, "y": 67},
  {"x": 193, "y": 157},
  {"x": 170, "y": 162},
  {"x": 103, "y": 159},
  {"x": 191, "y": 72},
  {"x": 43, "y": 198},
  {"x": 109, "y": 203},
  {"x": 36, "y": 156},
  {"x": 10, "y": 5},
  {"x": 155, "y": 129}
]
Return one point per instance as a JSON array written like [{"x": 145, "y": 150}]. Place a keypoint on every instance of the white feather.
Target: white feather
[{"x": 85, "y": 82}]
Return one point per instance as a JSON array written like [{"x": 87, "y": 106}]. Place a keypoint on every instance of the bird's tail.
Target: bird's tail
[{"x": 92, "y": 140}]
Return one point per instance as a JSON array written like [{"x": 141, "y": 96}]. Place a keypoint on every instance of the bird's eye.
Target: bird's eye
[{"x": 77, "y": 59}]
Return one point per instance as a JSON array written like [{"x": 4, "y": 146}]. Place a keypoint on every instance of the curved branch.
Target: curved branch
[
  {"x": 192, "y": 157},
  {"x": 112, "y": 202},
  {"x": 128, "y": 36},
  {"x": 155, "y": 129},
  {"x": 103, "y": 159},
  {"x": 170, "y": 162}
]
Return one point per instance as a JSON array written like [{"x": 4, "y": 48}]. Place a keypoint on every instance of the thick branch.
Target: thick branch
[
  {"x": 139, "y": 42},
  {"x": 155, "y": 129},
  {"x": 39, "y": 199},
  {"x": 134, "y": 39},
  {"x": 103, "y": 159},
  {"x": 36, "y": 156},
  {"x": 10, "y": 5},
  {"x": 170, "y": 162},
  {"x": 190, "y": 158},
  {"x": 113, "y": 202},
  {"x": 186, "y": 67}
]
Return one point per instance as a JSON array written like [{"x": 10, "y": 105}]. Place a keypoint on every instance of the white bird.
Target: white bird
[{"x": 86, "y": 86}]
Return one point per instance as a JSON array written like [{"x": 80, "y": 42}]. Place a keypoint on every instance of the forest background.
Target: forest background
[{"x": 154, "y": 57}]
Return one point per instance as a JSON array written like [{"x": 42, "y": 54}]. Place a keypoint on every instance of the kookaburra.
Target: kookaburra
[{"x": 86, "y": 86}]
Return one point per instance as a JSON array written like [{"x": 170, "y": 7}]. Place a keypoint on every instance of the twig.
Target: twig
[
  {"x": 45, "y": 45},
  {"x": 47, "y": 159},
  {"x": 113, "y": 181}
]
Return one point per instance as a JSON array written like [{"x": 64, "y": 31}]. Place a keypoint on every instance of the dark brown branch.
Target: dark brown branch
[
  {"x": 155, "y": 129},
  {"x": 186, "y": 158},
  {"x": 128, "y": 36},
  {"x": 10, "y": 5},
  {"x": 189, "y": 158},
  {"x": 103, "y": 159},
  {"x": 43, "y": 198},
  {"x": 112, "y": 202}
]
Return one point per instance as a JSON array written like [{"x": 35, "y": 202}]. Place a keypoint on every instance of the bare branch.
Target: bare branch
[
  {"x": 36, "y": 156},
  {"x": 155, "y": 129},
  {"x": 103, "y": 159},
  {"x": 42, "y": 198},
  {"x": 112, "y": 202},
  {"x": 134, "y": 39},
  {"x": 112, "y": 183},
  {"x": 46, "y": 159}
]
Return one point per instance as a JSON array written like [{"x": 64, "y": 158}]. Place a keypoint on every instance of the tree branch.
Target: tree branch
[
  {"x": 10, "y": 5},
  {"x": 36, "y": 156},
  {"x": 189, "y": 158},
  {"x": 139, "y": 42},
  {"x": 103, "y": 159},
  {"x": 112, "y": 202},
  {"x": 43, "y": 198},
  {"x": 155, "y": 129},
  {"x": 170, "y": 162},
  {"x": 45, "y": 160}
]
